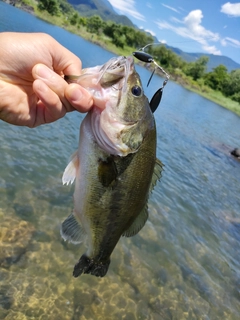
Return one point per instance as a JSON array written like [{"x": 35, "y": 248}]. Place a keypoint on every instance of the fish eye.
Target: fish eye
[{"x": 136, "y": 91}]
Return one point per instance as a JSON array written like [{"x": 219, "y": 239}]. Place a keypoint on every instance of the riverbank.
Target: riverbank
[{"x": 176, "y": 75}]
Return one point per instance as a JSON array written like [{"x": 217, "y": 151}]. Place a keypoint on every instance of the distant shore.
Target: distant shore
[{"x": 21, "y": 5}]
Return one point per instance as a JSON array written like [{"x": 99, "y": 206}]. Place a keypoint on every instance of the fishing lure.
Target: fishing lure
[{"x": 147, "y": 58}]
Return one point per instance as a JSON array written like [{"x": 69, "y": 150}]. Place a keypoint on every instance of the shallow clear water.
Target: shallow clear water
[{"x": 184, "y": 264}]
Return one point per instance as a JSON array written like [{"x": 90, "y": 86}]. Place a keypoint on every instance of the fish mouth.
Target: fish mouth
[
  {"x": 117, "y": 65},
  {"x": 107, "y": 124},
  {"x": 115, "y": 70},
  {"x": 107, "y": 80}
]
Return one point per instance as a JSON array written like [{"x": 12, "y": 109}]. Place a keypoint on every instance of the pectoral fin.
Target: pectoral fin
[
  {"x": 107, "y": 171},
  {"x": 72, "y": 231},
  {"x": 137, "y": 224},
  {"x": 70, "y": 172}
]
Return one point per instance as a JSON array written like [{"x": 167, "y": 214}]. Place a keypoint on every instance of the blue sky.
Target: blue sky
[{"x": 207, "y": 26}]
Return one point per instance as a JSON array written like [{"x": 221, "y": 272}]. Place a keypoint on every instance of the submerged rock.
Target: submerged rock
[
  {"x": 15, "y": 236},
  {"x": 236, "y": 153}
]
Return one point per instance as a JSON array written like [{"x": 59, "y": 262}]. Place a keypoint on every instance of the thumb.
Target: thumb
[{"x": 78, "y": 97}]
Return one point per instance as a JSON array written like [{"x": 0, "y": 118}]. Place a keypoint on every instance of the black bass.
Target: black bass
[{"x": 115, "y": 167}]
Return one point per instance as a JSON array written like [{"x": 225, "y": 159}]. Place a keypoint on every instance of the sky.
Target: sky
[{"x": 207, "y": 26}]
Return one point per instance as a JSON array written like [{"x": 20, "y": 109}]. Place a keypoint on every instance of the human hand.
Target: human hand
[{"x": 32, "y": 88}]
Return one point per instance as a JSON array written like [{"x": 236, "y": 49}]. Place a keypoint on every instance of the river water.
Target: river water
[{"x": 184, "y": 264}]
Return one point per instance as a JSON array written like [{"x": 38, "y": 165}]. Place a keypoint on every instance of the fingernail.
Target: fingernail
[
  {"x": 75, "y": 95},
  {"x": 44, "y": 72}
]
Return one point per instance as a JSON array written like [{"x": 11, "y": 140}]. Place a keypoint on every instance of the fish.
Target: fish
[{"x": 115, "y": 167}]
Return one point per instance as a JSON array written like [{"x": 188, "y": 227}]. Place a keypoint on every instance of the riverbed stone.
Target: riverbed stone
[{"x": 15, "y": 236}]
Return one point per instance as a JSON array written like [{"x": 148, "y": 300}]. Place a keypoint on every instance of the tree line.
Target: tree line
[{"x": 218, "y": 79}]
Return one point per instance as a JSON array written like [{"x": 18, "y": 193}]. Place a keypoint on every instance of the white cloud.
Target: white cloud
[
  {"x": 191, "y": 27},
  {"x": 162, "y": 41},
  {"x": 193, "y": 23},
  {"x": 171, "y": 8},
  {"x": 232, "y": 9},
  {"x": 150, "y": 31},
  {"x": 148, "y": 4},
  {"x": 211, "y": 49},
  {"x": 173, "y": 19},
  {"x": 127, "y": 7},
  {"x": 182, "y": 9},
  {"x": 230, "y": 41}
]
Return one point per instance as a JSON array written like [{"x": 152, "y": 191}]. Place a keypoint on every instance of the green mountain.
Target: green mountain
[
  {"x": 101, "y": 8},
  {"x": 213, "y": 62}
]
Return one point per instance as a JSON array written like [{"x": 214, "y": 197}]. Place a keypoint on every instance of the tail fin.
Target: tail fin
[{"x": 87, "y": 265}]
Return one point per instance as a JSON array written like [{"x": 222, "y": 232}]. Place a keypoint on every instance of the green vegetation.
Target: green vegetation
[
  {"x": 218, "y": 85},
  {"x": 51, "y": 6}
]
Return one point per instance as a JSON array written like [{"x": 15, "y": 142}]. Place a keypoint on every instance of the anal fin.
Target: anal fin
[
  {"x": 72, "y": 231},
  {"x": 141, "y": 219},
  {"x": 157, "y": 174},
  {"x": 137, "y": 224}
]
